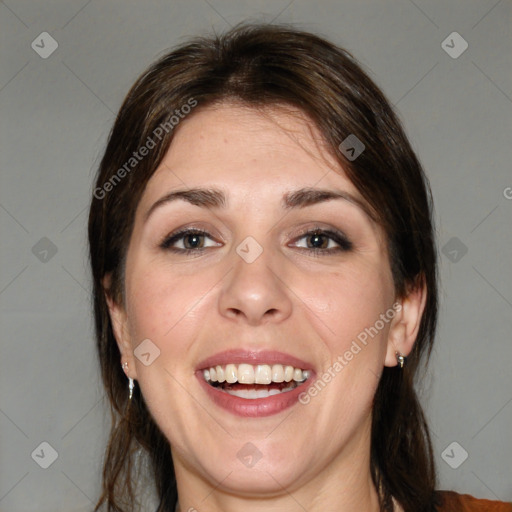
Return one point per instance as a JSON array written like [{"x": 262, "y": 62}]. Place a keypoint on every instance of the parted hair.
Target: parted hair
[{"x": 261, "y": 66}]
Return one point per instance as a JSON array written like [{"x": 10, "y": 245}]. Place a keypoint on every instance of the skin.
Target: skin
[{"x": 314, "y": 457}]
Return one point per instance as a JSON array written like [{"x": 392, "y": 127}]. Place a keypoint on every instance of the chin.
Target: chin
[
  {"x": 259, "y": 481},
  {"x": 259, "y": 467}
]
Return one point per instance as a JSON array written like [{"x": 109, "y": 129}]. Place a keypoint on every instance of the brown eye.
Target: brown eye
[
  {"x": 322, "y": 241},
  {"x": 193, "y": 241},
  {"x": 318, "y": 241},
  {"x": 188, "y": 241}
]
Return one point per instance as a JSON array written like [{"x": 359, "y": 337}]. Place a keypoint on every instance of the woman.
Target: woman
[{"x": 265, "y": 285}]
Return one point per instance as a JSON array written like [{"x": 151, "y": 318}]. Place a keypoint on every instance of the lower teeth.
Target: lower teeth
[{"x": 252, "y": 394}]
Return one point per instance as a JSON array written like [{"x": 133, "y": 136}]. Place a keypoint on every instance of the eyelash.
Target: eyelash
[{"x": 344, "y": 244}]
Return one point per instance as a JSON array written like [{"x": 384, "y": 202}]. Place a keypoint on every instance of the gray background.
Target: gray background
[{"x": 55, "y": 117}]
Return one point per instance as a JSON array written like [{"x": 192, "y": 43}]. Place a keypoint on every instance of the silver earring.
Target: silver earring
[
  {"x": 131, "y": 385},
  {"x": 400, "y": 359}
]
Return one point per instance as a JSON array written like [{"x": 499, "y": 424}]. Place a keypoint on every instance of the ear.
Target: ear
[
  {"x": 119, "y": 321},
  {"x": 406, "y": 323}
]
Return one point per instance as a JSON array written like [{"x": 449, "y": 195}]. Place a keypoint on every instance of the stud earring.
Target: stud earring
[
  {"x": 131, "y": 385},
  {"x": 400, "y": 359}
]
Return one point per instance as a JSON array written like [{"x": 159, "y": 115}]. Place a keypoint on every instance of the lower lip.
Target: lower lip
[{"x": 255, "y": 407}]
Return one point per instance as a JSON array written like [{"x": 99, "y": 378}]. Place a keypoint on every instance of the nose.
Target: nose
[{"x": 254, "y": 292}]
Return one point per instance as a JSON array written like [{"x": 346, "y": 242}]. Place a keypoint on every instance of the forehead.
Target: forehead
[{"x": 250, "y": 152}]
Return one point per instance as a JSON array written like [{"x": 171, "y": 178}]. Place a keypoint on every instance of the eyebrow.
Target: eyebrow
[{"x": 215, "y": 198}]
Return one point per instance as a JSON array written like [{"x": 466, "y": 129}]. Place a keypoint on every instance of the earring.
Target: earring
[
  {"x": 400, "y": 359},
  {"x": 131, "y": 385}
]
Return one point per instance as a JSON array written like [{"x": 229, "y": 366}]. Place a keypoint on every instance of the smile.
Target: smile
[
  {"x": 254, "y": 384},
  {"x": 255, "y": 381}
]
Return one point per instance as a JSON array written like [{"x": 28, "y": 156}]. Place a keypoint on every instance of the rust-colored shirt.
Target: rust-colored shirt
[{"x": 453, "y": 502}]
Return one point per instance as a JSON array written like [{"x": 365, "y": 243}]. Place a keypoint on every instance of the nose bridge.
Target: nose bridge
[{"x": 254, "y": 292}]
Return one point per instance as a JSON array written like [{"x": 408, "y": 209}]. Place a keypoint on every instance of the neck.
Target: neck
[{"x": 344, "y": 484}]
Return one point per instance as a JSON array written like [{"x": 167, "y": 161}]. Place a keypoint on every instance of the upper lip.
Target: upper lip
[{"x": 240, "y": 356}]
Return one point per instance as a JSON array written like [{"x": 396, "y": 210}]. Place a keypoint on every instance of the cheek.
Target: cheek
[
  {"x": 345, "y": 303},
  {"x": 345, "y": 308},
  {"x": 167, "y": 309},
  {"x": 162, "y": 303}
]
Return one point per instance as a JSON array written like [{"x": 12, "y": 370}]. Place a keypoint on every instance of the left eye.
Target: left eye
[{"x": 324, "y": 241}]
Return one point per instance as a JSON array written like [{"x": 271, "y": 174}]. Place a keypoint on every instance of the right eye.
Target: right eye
[{"x": 191, "y": 240}]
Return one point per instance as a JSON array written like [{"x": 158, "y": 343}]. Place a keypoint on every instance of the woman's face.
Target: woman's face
[{"x": 253, "y": 295}]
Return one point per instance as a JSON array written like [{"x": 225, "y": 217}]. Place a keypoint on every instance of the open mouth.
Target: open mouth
[{"x": 255, "y": 381}]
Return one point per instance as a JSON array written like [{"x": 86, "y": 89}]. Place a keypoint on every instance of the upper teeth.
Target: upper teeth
[{"x": 257, "y": 374}]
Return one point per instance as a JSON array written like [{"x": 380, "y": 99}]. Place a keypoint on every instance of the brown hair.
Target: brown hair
[{"x": 261, "y": 66}]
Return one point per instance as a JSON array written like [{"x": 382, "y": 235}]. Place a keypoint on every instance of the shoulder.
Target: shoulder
[{"x": 450, "y": 501}]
